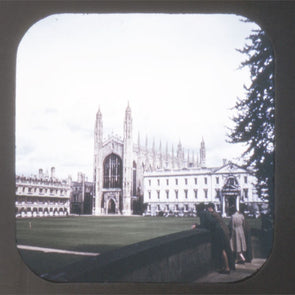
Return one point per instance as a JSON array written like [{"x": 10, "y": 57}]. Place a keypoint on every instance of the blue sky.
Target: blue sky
[{"x": 179, "y": 74}]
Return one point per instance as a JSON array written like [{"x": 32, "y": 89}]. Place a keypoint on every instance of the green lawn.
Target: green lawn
[
  {"x": 95, "y": 234},
  {"x": 90, "y": 234}
]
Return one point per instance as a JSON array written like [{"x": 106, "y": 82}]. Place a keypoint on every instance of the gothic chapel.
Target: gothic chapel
[{"x": 119, "y": 166}]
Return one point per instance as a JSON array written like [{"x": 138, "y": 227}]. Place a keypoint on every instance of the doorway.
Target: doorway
[
  {"x": 111, "y": 207},
  {"x": 230, "y": 204}
]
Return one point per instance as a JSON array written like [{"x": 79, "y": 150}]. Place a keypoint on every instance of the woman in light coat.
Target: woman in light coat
[{"x": 238, "y": 240}]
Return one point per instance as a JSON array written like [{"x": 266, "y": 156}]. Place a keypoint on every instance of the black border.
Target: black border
[{"x": 277, "y": 18}]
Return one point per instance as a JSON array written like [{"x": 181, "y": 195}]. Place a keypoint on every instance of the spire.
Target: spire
[
  {"x": 98, "y": 114},
  {"x": 179, "y": 155},
  {"x": 188, "y": 159},
  {"x": 138, "y": 141},
  {"x": 128, "y": 111},
  {"x": 128, "y": 123},
  {"x": 203, "y": 153},
  {"x": 154, "y": 155},
  {"x": 161, "y": 156},
  {"x": 98, "y": 117},
  {"x": 166, "y": 156},
  {"x": 98, "y": 129},
  {"x": 172, "y": 158}
]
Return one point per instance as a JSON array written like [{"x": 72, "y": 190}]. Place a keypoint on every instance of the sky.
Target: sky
[{"x": 178, "y": 72}]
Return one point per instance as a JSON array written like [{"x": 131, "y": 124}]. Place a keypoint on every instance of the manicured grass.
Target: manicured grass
[
  {"x": 90, "y": 234},
  {"x": 95, "y": 234}
]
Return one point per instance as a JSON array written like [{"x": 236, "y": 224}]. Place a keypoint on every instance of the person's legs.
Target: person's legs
[
  {"x": 225, "y": 259},
  {"x": 242, "y": 257}
]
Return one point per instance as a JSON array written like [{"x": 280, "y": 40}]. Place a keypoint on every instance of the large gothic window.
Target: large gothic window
[{"x": 112, "y": 172}]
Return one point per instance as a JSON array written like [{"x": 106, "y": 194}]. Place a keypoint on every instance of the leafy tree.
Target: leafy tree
[{"x": 254, "y": 121}]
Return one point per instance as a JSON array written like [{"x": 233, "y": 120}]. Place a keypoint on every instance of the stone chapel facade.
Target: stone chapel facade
[{"x": 120, "y": 165}]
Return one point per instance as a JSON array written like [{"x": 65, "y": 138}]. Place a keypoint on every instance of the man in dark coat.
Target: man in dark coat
[
  {"x": 221, "y": 251},
  {"x": 221, "y": 240}
]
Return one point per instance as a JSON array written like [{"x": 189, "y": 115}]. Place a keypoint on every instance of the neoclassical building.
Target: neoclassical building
[
  {"x": 42, "y": 195},
  {"x": 179, "y": 191}
]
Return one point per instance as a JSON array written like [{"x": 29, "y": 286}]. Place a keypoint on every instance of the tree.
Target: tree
[{"x": 254, "y": 121}]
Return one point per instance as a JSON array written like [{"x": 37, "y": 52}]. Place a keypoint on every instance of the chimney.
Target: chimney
[
  {"x": 52, "y": 172},
  {"x": 224, "y": 161},
  {"x": 40, "y": 173}
]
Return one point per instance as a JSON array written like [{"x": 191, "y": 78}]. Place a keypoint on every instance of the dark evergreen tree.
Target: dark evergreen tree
[{"x": 254, "y": 121}]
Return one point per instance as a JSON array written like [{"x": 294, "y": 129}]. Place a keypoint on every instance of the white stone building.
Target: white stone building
[
  {"x": 42, "y": 195},
  {"x": 178, "y": 192}
]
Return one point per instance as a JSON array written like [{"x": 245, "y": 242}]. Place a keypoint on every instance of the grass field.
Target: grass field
[
  {"x": 90, "y": 234},
  {"x": 95, "y": 234}
]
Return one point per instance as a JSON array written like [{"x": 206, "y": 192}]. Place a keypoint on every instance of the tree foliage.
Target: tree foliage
[{"x": 254, "y": 122}]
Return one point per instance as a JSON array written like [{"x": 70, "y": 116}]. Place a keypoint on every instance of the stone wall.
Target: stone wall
[{"x": 180, "y": 257}]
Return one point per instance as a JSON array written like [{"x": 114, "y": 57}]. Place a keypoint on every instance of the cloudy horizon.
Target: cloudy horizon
[{"x": 179, "y": 73}]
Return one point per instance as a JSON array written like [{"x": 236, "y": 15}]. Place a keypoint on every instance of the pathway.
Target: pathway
[
  {"x": 51, "y": 250},
  {"x": 242, "y": 271}
]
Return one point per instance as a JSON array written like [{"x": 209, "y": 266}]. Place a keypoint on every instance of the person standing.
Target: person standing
[
  {"x": 247, "y": 232},
  {"x": 221, "y": 251},
  {"x": 221, "y": 241},
  {"x": 238, "y": 240}
]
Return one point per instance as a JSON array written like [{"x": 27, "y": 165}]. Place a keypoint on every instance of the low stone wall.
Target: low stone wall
[{"x": 180, "y": 257}]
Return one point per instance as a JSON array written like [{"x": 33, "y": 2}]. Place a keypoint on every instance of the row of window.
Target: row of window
[
  {"x": 41, "y": 203},
  {"x": 175, "y": 207},
  {"x": 195, "y": 180},
  {"x": 176, "y": 193},
  {"x": 39, "y": 182},
  {"x": 31, "y": 190}
]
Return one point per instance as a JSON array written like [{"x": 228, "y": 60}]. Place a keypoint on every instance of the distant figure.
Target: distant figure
[
  {"x": 238, "y": 240},
  {"x": 247, "y": 232}
]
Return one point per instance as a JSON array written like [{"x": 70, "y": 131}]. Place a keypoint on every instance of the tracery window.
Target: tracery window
[{"x": 112, "y": 172}]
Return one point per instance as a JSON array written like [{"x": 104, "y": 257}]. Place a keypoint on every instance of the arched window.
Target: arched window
[{"x": 112, "y": 172}]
